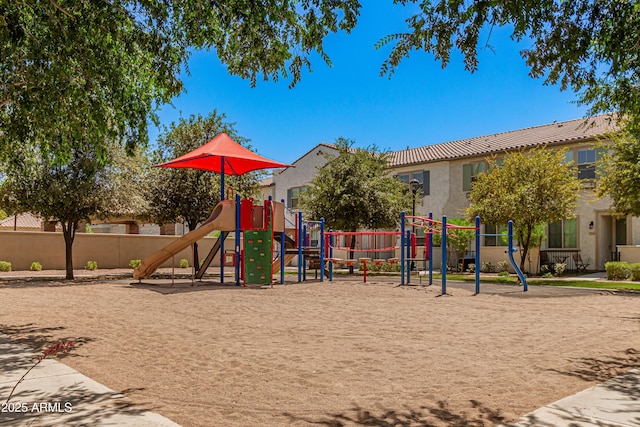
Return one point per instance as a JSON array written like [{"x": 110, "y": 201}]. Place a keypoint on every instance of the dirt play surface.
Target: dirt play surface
[{"x": 339, "y": 353}]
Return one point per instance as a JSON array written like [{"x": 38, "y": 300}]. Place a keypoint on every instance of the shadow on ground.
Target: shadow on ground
[
  {"x": 593, "y": 369},
  {"x": 182, "y": 286},
  {"x": 35, "y": 338},
  {"x": 438, "y": 414},
  {"x": 62, "y": 408},
  {"x": 40, "y": 282}
]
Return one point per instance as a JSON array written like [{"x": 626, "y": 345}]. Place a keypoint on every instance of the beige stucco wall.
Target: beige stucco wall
[
  {"x": 630, "y": 253},
  {"x": 300, "y": 175},
  {"x": 438, "y": 187},
  {"x": 21, "y": 248}
]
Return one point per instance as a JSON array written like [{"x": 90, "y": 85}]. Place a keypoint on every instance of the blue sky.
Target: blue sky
[{"x": 422, "y": 104}]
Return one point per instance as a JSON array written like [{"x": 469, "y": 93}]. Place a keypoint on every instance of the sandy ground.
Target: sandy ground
[{"x": 333, "y": 353}]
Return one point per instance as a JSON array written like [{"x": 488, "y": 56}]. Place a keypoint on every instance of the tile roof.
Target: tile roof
[
  {"x": 553, "y": 134},
  {"x": 266, "y": 182},
  {"x": 23, "y": 221}
]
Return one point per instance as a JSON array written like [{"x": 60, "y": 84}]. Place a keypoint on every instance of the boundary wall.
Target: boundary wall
[{"x": 21, "y": 248}]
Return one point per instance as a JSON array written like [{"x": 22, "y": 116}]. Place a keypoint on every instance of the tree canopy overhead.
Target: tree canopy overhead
[
  {"x": 86, "y": 70},
  {"x": 590, "y": 46}
]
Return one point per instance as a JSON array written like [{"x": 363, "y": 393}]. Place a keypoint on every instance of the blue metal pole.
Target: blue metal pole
[
  {"x": 222, "y": 236},
  {"x": 402, "y": 243},
  {"x": 430, "y": 239},
  {"x": 477, "y": 255},
  {"x": 408, "y": 240},
  {"x": 300, "y": 244},
  {"x": 322, "y": 249},
  {"x": 444, "y": 255},
  {"x": 515, "y": 266},
  {"x": 283, "y": 237},
  {"x": 238, "y": 231}
]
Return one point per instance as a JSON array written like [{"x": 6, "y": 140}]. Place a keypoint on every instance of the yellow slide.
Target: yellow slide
[
  {"x": 276, "y": 264},
  {"x": 223, "y": 218}
]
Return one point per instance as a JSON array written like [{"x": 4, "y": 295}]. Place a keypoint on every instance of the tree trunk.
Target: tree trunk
[
  {"x": 524, "y": 245},
  {"x": 525, "y": 251},
  {"x": 69, "y": 232},
  {"x": 352, "y": 246}
]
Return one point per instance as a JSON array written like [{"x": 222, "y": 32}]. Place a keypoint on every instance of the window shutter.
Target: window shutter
[
  {"x": 426, "y": 182},
  {"x": 466, "y": 177},
  {"x": 289, "y": 197}
]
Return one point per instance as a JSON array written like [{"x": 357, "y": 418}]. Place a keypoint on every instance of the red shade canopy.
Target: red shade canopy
[{"x": 223, "y": 155}]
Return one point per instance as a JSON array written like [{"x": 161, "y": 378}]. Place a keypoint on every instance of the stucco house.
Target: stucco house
[{"x": 446, "y": 171}]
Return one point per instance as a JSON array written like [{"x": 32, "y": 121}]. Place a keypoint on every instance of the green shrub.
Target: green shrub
[
  {"x": 503, "y": 273},
  {"x": 135, "y": 263},
  {"x": 35, "y": 266},
  {"x": 471, "y": 268},
  {"x": 5, "y": 266},
  {"x": 547, "y": 275},
  {"x": 635, "y": 271},
  {"x": 617, "y": 270},
  {"x": 91, "y": 265},
  {"x": 503, "y": 265},
  {"x": 486, "y": 267},
  {"x": 559, "y": 268},
  {"x": 184, "y": 263}
]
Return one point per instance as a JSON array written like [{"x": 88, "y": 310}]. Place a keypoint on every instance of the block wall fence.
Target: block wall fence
[{"x": 21, "y": 248}]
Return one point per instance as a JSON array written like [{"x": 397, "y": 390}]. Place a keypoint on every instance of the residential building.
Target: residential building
[{"x": 447, "y": 170}]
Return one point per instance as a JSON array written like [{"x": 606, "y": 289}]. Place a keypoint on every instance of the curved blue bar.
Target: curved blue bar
[{"x": 515, "y": 266}]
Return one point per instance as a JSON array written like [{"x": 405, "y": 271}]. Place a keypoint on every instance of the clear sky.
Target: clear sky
[{"x": 422, "y": 104}]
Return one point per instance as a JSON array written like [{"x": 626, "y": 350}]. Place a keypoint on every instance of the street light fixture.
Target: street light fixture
[{"x": 414, "y": 184}]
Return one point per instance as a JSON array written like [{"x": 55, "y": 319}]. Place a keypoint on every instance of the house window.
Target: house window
[
  {"x": 423, "y": 177},
  {"x": 293, "y": 196},
  {"x": 563, "y": 234},
  {"x": 496, "y": 240},
  {"x": 470, "y": 172},
  {"x": 587, "y": 160}
]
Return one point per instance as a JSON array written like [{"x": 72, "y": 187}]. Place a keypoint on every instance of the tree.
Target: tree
[
  {"x": 531, "y": 188},
  {"x": 621, "y": 177},
  {"x": 590, "y": 46},
  {"x": 80, "y": 189},
  {"x": 96, "y": 71},
  {"x": 457, "y": 238},
  {"x": 189, "y": 195},
  {"x": 354, "y": 190}
]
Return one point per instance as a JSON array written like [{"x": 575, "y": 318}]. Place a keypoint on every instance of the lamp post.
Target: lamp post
[{"x": 414, "y": 185}]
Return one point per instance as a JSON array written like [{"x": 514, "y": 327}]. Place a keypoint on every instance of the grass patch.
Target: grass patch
[
  {"x": 472, "y": 278},
  {"x": 623, "y": 286}
]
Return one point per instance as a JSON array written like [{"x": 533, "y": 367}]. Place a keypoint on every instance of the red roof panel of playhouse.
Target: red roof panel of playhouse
[{"x": 237, "y": 159}]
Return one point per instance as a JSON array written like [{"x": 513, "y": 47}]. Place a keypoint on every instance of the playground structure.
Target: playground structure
[
  {"x": 405, "y": 242},
  {"x": 347, "y": 241},
  {"x": 256, "y": 228}
]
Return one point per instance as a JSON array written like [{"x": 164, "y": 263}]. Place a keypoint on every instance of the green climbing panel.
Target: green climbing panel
[{"x": 257, "y": 257}]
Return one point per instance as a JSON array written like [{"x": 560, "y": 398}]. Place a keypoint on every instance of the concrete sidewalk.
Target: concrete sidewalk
[
  {"x": 614, "y": 403},
  {"x": 53, "y": 394}
]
